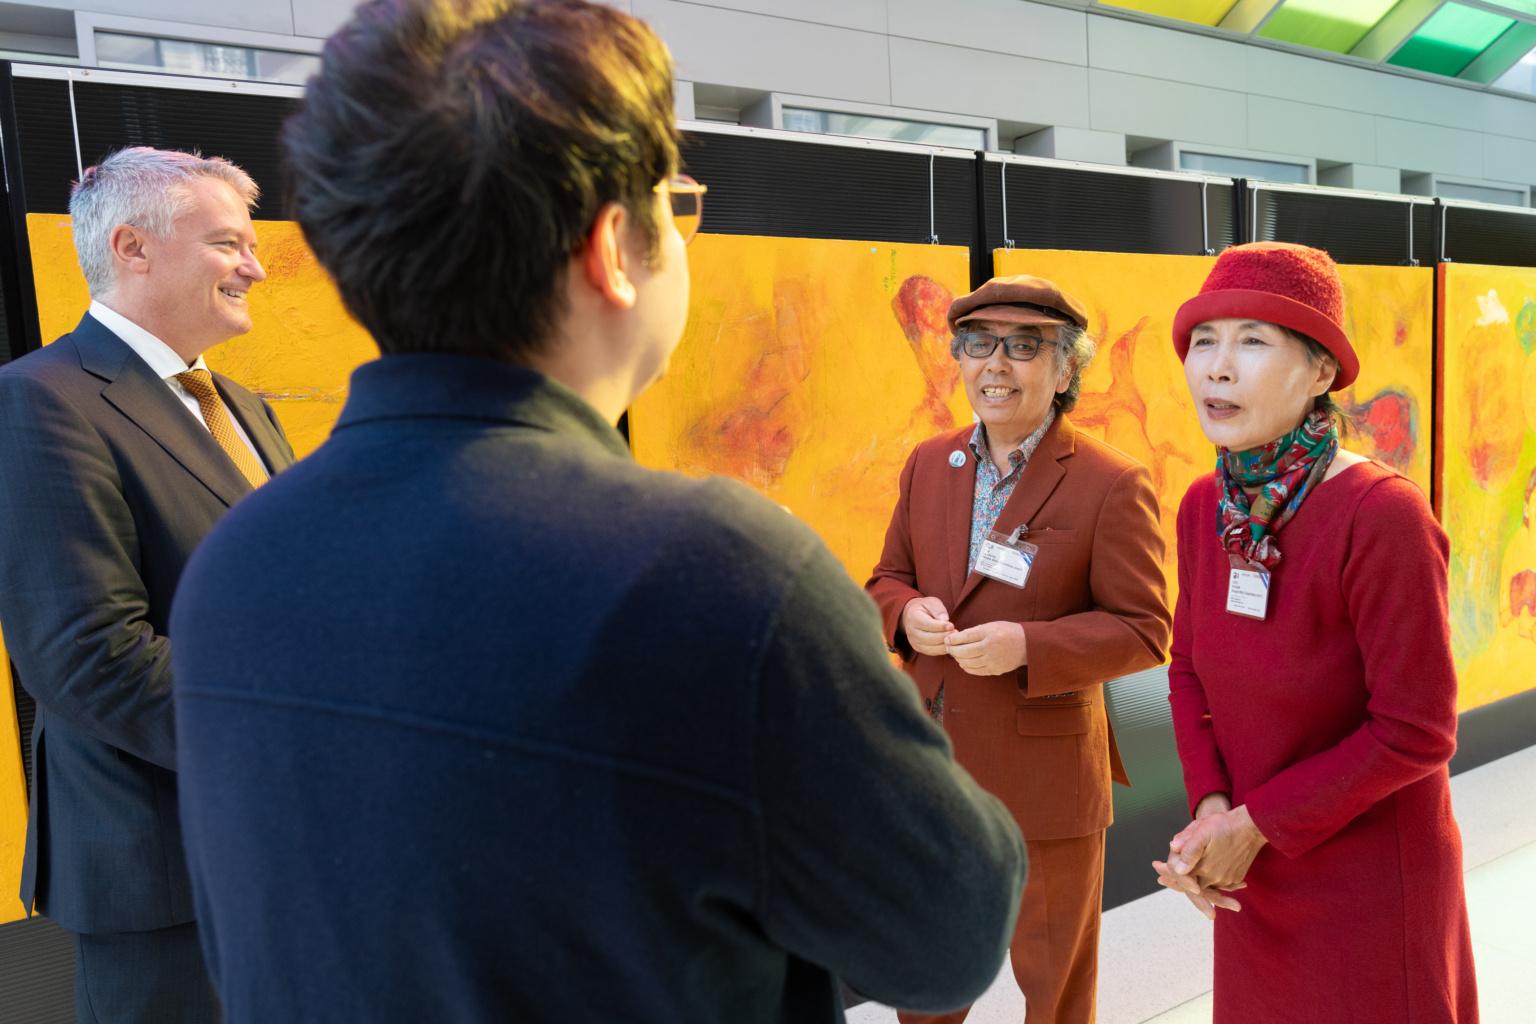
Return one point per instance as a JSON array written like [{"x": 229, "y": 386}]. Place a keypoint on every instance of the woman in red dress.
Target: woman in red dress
[{"x": 1313, "y": 693}]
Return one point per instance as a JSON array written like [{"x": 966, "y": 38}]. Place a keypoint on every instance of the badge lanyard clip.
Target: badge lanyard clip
[
  {"x": 1006, "y": 558},
  {"x": 1247, "y": 588}
]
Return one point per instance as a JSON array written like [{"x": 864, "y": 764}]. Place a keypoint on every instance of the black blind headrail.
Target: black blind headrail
[
  {"x": 769, "y": 186},
  {"x": 1072, "y": 208},
  {"x": 240, "y": 128},
  {"x": 1350, "y": 229},
  {"x": 1475, "y": 235}
]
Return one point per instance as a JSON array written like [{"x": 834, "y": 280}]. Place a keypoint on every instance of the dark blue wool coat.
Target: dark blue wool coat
[{"x": 481, "y": 721}]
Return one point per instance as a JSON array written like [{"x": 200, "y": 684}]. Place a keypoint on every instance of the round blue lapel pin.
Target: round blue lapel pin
[{"x": 957, "y": 458}]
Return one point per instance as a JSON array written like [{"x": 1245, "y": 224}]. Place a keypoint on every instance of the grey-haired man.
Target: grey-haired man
[{"x": 121, "y": 451}]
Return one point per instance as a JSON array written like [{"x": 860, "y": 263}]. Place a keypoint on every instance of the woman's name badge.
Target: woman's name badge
[
  {"x": 1006, "y": 558},
  {"x": 1247, "y": 590}
]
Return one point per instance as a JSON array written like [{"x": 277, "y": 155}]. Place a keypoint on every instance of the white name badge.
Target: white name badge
[
  {"x": 1006, "y": 559},
  {"x": 1248, "y": 593}
]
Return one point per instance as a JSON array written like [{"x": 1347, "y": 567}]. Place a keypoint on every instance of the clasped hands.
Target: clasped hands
[
  {"x": 1211, "y": 857},
  {"x": 986, "y": 650}
]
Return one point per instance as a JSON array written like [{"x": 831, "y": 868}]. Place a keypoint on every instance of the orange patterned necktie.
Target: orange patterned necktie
[{"x": 200, "y": 383}]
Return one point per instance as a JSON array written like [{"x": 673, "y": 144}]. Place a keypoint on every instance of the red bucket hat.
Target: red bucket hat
[{"x": 1281, "y": 283}]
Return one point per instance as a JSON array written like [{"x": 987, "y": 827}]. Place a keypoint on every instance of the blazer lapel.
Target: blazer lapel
[
  {"x": 247, "y": 408},
  {"x": 958, "y": 501},
  {"x": 134, "y": 390},
  {"x": 1035, "y": 486}
]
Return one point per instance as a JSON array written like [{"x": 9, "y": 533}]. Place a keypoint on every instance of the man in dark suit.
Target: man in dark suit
[
  {"x": 479, "y": 720},
  {"x": 120, "y": 451}
]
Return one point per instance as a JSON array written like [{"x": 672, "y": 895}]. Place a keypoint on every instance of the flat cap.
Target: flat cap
[{"x": 1019, "y": 300}]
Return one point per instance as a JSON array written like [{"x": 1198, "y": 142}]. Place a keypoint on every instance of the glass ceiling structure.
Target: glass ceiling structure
[{"x": 1489, "y": 42}]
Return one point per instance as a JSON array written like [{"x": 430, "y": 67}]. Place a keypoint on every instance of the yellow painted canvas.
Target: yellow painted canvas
[
  {"x": 1135, "y": 398},
  {"x": 13, "y": 801},
  {"x": 809, "y": 369},
  {"x": 1489, "y": 476},
  {"x": 298, "y": 356}
]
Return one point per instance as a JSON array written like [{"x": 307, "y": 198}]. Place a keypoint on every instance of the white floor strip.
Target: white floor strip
[{"x": 1155, "y": 953}]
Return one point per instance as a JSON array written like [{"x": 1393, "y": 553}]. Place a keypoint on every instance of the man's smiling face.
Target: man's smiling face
[
  {"x": 202, "y": 272},
  {"x": 1010, "y": 396}
]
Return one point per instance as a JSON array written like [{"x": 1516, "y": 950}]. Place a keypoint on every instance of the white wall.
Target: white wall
[{"x": 1034, "y": 66}]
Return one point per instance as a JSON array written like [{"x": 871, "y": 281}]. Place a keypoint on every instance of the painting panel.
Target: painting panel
[
  {"x": 13, "y": 800},
  {"x": 809, "y": 370},
  {"x": 1135, "y": 398},
  {"x": 1489, "y": 475},
  {"x": 299, "y": 354}
]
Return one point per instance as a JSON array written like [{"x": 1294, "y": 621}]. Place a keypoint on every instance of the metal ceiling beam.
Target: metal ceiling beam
[
  {"x": 1394, "y": 29},
  {"x": 1248, "y": 16}
]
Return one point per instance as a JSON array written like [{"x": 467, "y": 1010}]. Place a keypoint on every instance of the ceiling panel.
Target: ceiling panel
[
  {"x": 1201, "y": 12},
  {"x": 1335, "y": 25},
  {"x": 1451, "y": 39},
  {"x": 1480, "y": 44},
  {"x": 1521, "y": 77}
]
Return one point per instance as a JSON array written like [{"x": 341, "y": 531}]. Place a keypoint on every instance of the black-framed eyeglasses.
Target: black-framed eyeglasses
[{"x": 1019, "y": 347}]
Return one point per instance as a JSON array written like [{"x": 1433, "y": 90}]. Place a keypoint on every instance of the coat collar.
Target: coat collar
[
  {"x": 136, "y": 392},
  {"x": 1040, "y": 477},
  {"x": 437, "y": 385}
]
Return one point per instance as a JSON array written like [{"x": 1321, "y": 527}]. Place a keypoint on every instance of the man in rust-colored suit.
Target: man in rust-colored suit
[{"x": 1022, "y": 570}]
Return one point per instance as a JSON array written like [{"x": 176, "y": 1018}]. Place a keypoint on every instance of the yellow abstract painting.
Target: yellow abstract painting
[
  {"x": 809, "y": 370},
  {"x": 1135, "y": 398},
  {"x": 1489, "y": 475},
  {"x": 13, "y": 801},
  {"x": 299, "y": 354}
]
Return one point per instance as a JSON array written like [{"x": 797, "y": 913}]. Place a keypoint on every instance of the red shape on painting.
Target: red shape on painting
[
  {"x": 921, "y": 306},
  {"x": 1388, "y": 420}
]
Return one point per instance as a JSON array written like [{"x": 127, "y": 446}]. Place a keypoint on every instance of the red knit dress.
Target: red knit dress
[{"x": 1333, "y": 720}]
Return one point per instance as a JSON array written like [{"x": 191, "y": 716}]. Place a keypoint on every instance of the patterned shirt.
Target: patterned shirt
[{"x": 992, "y": 489}]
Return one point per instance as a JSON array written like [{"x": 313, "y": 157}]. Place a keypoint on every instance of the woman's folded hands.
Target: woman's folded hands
[{"x": 1211, "y": 857}]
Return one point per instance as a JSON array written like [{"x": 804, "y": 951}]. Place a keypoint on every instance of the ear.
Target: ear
[
  {"x": 130, "y": 248},
  {"x": 1066, "y": 378},
  {"x": 1327, "y": 370},
  {"x": 605, "y": 257}
]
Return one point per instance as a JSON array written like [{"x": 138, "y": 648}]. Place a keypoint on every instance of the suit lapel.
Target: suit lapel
[
  {"x": 1039, "y": 479},
  {"x": 247, "y": 408},
  {"x": 134, "y": 390},
  {"x": 958, "y": 501}
]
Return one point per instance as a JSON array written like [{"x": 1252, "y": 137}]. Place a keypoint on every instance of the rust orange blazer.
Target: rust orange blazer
[{"x": 1095, "y": 607}]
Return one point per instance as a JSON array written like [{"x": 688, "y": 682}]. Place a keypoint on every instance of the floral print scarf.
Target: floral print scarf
[{"x": 1285, "y": 471}]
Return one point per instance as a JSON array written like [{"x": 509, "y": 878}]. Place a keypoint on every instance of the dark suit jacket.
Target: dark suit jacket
[
  {"x": 481, "y": 721},
  {"x": 1095, "y": 607},
  {"x": 107, "y": 483}
]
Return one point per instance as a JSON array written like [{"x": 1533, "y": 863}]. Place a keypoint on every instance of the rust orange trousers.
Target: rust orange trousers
[{"x": 1055, "y": 948}]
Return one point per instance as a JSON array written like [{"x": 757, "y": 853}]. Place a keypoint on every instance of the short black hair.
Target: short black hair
[{"x": 451, "y": 156}]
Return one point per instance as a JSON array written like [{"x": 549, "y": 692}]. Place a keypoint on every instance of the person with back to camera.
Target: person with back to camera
[
  {"x": 1313, "y": 693},
  {"x": 1022, "y": 570},
  {"x": 480, "y": 720}
]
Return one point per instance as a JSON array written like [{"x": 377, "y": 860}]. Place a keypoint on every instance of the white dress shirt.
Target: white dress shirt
[{"x": 166, "y": 364}]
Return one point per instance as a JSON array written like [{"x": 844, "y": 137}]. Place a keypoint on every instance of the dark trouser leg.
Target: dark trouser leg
[
  {"x": 1055, "y": 948},
  {"x": 153, "y": 977}
]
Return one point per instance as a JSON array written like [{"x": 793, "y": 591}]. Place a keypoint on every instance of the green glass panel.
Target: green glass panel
[
  {"x": 1451, "y": 39},
  {"x": 1335, "y": 25}
]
